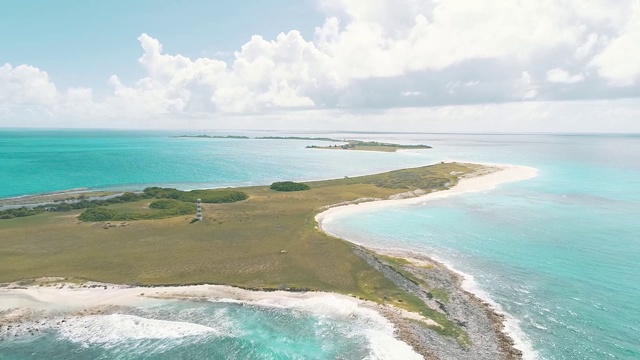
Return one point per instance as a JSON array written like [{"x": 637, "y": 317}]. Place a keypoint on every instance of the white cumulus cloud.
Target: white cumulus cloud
[
  {"x": 619, "y": 62},
  {"x": 558, "y": 75},
  {"x": 370, "y": 54}
]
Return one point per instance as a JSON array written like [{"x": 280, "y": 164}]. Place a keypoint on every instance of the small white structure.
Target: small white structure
[{"x": 199, "y": 210}]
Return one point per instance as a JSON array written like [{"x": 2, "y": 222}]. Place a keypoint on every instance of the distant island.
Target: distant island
[
  {"x": 298, "y": 138},
  {"x": 259, "y": 137},
  {"x": 350, "y": 144},
  {"x": 213, "y": 136},
  {"x": 370, "y": 146}
]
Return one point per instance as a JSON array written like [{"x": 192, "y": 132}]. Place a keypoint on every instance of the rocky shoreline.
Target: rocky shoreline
[{"x": 483, "y": 325}]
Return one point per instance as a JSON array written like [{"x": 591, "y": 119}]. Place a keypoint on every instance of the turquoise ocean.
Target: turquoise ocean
[{"x": 559, "y": 254}]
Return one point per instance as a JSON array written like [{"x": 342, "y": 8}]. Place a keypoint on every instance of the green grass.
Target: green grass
[
  {"x": 237, "y": 244},
  {"x": 159, "y": 209},
  {"x": 447, "y": 327},
  {"x": 440, "y": 294},
  {"x": 212, "y": 196}
]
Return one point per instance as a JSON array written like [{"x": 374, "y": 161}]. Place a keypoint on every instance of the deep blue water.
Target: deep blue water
[{"x": 558, "y": 253}]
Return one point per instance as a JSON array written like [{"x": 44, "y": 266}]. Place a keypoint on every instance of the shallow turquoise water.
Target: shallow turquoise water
[
  {"x": 559, "y": 252},
  {"x": 45, "y": 161}
]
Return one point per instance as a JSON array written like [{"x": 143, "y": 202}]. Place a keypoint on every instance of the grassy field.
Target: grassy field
[{"x": 269, "y": 241}]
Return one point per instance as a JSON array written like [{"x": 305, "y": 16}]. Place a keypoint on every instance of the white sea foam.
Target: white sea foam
[
  {"x": 511, "y": 324},
  {"x": 113, "y": 330},
  {"x": 321, "y": 304},
  {"x": 378, "y": 331},
  {"x": 110, "y": 330},
  {"x": 385, "y": 347}
]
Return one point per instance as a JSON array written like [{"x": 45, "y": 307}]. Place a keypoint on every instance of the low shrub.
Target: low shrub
[
  {"x": 289, "y": 186},
  {"x": 214, "y": 196},
  {"x": 165, "y": 208},
  {"x": 162, "y": 204},
  {"x": 98, "y": 214}
]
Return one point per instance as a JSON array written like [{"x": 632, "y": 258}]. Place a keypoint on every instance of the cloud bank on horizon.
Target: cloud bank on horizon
[{"x": 447, "y": 60}]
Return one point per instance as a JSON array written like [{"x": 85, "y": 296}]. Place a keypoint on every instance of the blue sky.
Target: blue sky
[
  {"x": 82, "y": 43},
  {"x": 445, "y": 65}
]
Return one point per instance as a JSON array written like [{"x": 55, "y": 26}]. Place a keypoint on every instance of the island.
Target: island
[
  {"x": 260, "y": 239},
  {"x": 370, "y": 146},
  {"x": 297, "y": 138},
  {"x": 213, "y": 136},
  {"x": 346, "y": 144}
]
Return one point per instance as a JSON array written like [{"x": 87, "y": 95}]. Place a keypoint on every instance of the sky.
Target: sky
[{"x": 379, "y": 65}]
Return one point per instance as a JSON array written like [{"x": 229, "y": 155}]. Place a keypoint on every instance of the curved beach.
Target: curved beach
[
  {"x": 509, "y": 334},
  {"x": 496, "y": 175}
]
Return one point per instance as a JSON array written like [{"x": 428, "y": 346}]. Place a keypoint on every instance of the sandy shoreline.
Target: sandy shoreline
[
  {"x": 496, "y": 175},
  {"x": 94, "y": 298},
  {"x": 57, "y": 305},
  {"x": 503, "y": 173}
]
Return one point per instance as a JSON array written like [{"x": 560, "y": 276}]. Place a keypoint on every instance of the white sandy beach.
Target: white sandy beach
[
  {"x": 77, "y": 310},
  {"x": 68, "y": 297},
  {"x": 504, "y": 173},
  {"x": 61, "y": 296}
]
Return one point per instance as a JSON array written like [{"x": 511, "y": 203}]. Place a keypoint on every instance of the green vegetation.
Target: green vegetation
[
  {"x": 69, "y": 206},
  {"x": 289, "y": 186},
  {"x": 447, "y": 327},
  {"x": 350, "y": 144},
  {"x": 370, "y": 146},
  {"x": 238, "y": 244},
  {"x": 213, "y": 196},
  {"x": 440, "y": 294},
  {"x": 162, "y": 204},
  {"x": 19, "y": 212},
  {"x": 98, "y": 214},
  {"x": 429, "y": 178},
  {"x": 166, "y": 208},
  {"x": 403, "y": 266},
  {"x": 214, "y": 136},
  {"x": 173, "y": 203}
]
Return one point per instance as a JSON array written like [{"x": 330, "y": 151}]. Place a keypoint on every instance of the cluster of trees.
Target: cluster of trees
[
  {"x": 20, "y": 212},
  {"x": 172, "y": 202},
  {"x": 171, "y": 207},
  {"x": 68, "y": 206},
  {"x": 166, "y": 208},
  {"x": 355, "y": 143},
  {"x": 207, "y": 196},
  {"x": 288, "y": 186}
]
